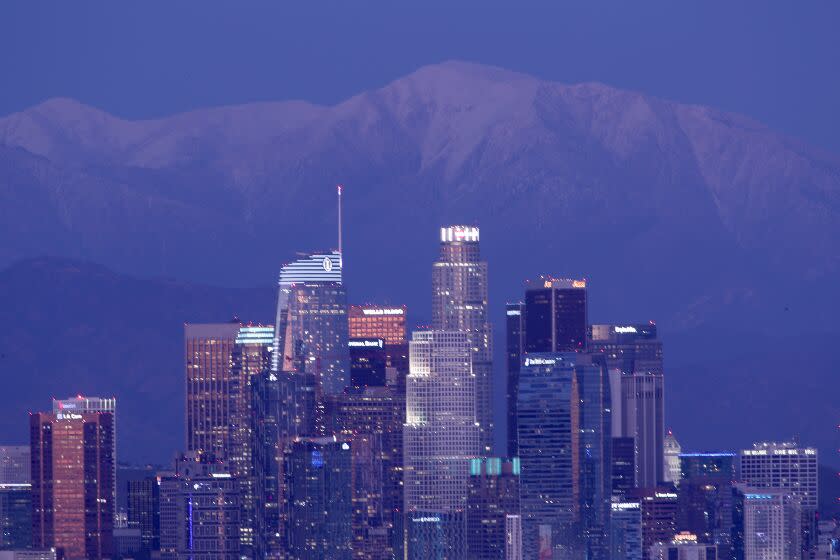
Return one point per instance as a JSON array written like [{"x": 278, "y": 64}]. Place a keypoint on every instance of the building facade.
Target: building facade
[
  {"x": 378, "y": 321},
  {"x": 492, "y": 496},
  {"x": 318, "y": 482},
  {"x": 144, "y": 512},
  {"x": 459, "y": 303},
  {"x": 72, "y": 491},
  {"x": 556, "y": 315},
  {"x": 772, "y": 524},
  {"x": 225, "y": 364},
  {"x": 441, "y": 435},
  {"x": 515, "y": 347},
  {"x": 549, "y": 447}
]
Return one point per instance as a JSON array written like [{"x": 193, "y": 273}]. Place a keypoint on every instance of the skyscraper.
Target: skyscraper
[
  {"x": 440, "y": 436},
  {"x": 14, "y": 464},
  {"x": 623, "y": 465},
  {"x": 72, "y": 490},
  {"x": 375, "y": 417},
  {"x": 626, "y": 531},
  {"x": 144, "y": 512},
  {"x": 786, "y": 466},
  {"x": 672, "y": 451},
  {"x": 312, "y": 329},
  {"x": 81, "y": 404},
  {"x": 15, "y": 516},
  {"x": 695, "y": 465},
  {"x": 224, "y": 366},
  {"x": 513, "y": 537},
  {"x": 459, "y": 303},
  {"x": 389, "y": 324},
  {"x": 200, "y": 510},
  {"x": 595, "y": 453},
  {"x": 555, "y": 315},
  {"x": 549, "y": 446},
  {"x": 367, "y": 363},
  {"x": 633, "y": 355},
  {"x": 208, "y": 355},
  {"x": 628, "y": 348},
  {"x": 659, "y": 516},
  {"x": 492, "y": 496},
  {"x": 318, "y": 473},
  {"x": 15, "y": 497},
  {"x": 378, "y": 321},
  {"x": 311, "y": 356},
  {"x": 515, "y": 346},
  {"x": 772, "y": 524},
  {"x": 643, "y": 418}
]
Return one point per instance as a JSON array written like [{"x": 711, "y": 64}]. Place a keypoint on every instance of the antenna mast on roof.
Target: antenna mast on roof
[{"x": 339, "y": 219}]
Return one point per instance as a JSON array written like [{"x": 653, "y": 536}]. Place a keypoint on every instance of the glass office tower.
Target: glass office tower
[
  {"x": 311, "y": 357},
  {"x": 549, "y": 446}
]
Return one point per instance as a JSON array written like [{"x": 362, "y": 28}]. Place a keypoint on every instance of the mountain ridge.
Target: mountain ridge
[{"x": 586, "y": 169}]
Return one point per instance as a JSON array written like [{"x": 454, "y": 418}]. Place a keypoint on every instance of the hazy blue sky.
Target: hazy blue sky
[{"x": 776, "y": 61}]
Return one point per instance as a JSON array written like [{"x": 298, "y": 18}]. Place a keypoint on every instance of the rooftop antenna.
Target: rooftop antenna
[{"x": 339, "y": 219}]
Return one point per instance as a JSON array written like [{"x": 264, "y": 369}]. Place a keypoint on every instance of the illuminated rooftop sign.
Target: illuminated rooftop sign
[
  {"x": 628, "y": 329},
  {"x": 624, "y": 506},
  {"x": 561, "y": 283},
  {"x": 366, "y": 343},
  {"x": 459, "y": 233},
  {"x": 255, "y": 335},
  {"x": 540, "y": 361},
  {"x": 321, "y": 267},
  {"x": 383, "y": 311}
]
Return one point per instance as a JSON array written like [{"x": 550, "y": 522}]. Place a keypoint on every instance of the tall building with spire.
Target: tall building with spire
[{"x": 459, "y": 303}]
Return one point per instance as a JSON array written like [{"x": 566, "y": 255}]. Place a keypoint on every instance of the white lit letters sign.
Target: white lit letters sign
[
  {"x": 459, "y": 233},
  {"x": 382, "y": 311},
  {"x": 540, "y": 361}
]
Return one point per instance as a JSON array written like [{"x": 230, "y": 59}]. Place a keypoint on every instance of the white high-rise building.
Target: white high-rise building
[
  {"x": 440, "y": 436},
  {"x": 772, "y": 525},
  {"x": 786, "y": 466},
  {"x": 672, "y": 458},
  {"x": 459, "y": 303}
]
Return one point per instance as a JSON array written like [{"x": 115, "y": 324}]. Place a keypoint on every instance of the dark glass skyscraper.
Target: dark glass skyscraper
[
  {"x": 549, "y": 446},
  {"x": 374, "y": 417},
  {"x": 555, "y": 315},
  {"x": 319, "y": 481},
  {"x": 459, "y": 303},
  {"x": 144, "y": 512},
  {"x": 367, "y": 363},
  {"x": 312, "y": 331},
  {"x": 311, "y": 357},
  {"x": 595, "y": 454},
  {"x": 492, "y": 495}
]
